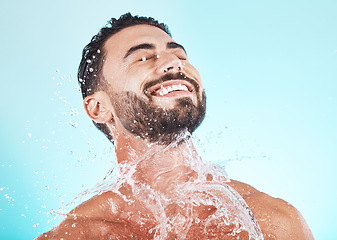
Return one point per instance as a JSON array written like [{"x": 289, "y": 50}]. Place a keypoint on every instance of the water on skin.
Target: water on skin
[{"x": 203, "y": 204}]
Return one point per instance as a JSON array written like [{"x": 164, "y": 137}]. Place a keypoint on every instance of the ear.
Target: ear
[{"x": 98, "y": 107}]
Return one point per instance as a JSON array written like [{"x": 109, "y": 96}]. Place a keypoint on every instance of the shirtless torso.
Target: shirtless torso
[{"x": 109, "y": 216}]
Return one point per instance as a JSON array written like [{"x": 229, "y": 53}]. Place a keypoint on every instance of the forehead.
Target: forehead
[{"x": 122, "y": 41}]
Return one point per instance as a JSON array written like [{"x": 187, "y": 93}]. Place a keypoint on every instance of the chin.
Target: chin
[{"x": 161, "y": 124}]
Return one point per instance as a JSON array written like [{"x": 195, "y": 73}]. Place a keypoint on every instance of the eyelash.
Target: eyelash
[{"x": 143, "y": 59}]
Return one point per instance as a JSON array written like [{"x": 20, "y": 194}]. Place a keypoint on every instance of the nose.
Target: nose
[{"x": 168, "y": 62}]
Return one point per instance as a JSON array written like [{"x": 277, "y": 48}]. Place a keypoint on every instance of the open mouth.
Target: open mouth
[{"x": 170, "y": 88}]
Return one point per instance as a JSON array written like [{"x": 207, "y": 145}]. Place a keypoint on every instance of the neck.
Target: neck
[{"x": 160, "y": 166}]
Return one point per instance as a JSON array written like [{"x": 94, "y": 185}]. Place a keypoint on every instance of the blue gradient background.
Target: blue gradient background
[{"x": 269, "y": 69}]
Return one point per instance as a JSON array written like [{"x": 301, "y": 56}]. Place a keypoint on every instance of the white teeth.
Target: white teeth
[
  {"x": 165, "y": 90},
  {"x": 183, "y": 87}
]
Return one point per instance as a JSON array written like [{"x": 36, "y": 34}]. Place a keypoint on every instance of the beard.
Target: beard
[{"x": 143, "y": 118}]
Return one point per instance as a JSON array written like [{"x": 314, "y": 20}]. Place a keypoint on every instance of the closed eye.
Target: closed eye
[
  {"x": 182, "y": 58},
  {"x": 143, "y": 59}
]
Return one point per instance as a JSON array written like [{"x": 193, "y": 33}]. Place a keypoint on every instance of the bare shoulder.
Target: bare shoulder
[
  {"x": 92, "y": 214},
  {"x": 105, "y": 216},
  {"x": 277, "y": 218}
]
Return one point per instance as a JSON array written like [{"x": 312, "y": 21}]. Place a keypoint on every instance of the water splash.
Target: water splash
[
  {"x": 203, "y": 204},
  {"x": 196, "y": 202}
]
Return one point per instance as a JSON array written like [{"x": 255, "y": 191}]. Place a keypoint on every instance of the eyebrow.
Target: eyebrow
[
  {"x": 139, "y": 47},
  {"x": 169, "y": 45}
]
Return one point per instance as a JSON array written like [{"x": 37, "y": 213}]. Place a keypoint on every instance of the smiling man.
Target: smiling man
[{"x": 140, "y": 89}]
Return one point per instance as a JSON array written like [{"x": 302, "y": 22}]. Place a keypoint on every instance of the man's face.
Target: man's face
[{"x": 156, "y": 93}]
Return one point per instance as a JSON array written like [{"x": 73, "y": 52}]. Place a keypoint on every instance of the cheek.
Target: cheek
[
  {"x": 121, "y": 78},
  {"x": 136, "y": 76},
  {"x": 112, "y": 74},
  {"x": 193, "y": 72}
]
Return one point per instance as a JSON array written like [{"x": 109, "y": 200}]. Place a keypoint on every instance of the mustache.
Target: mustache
[{"x": 172, "y": 76}]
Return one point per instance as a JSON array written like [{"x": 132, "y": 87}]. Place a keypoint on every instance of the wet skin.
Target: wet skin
[
  {"x": 108, "y": 215},
  {"x": 95, "y": 220}
]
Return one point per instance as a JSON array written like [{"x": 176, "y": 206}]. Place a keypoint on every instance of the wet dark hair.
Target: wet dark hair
[{"x": 90, "y": 70}]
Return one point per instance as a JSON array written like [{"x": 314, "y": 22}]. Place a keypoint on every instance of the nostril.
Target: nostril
[
  {"x": 167, "y": 69},
  {"x": 172, "y": 68}
]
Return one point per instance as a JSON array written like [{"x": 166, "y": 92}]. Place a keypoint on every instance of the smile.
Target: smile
[{"x": 171, "y": 88}]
